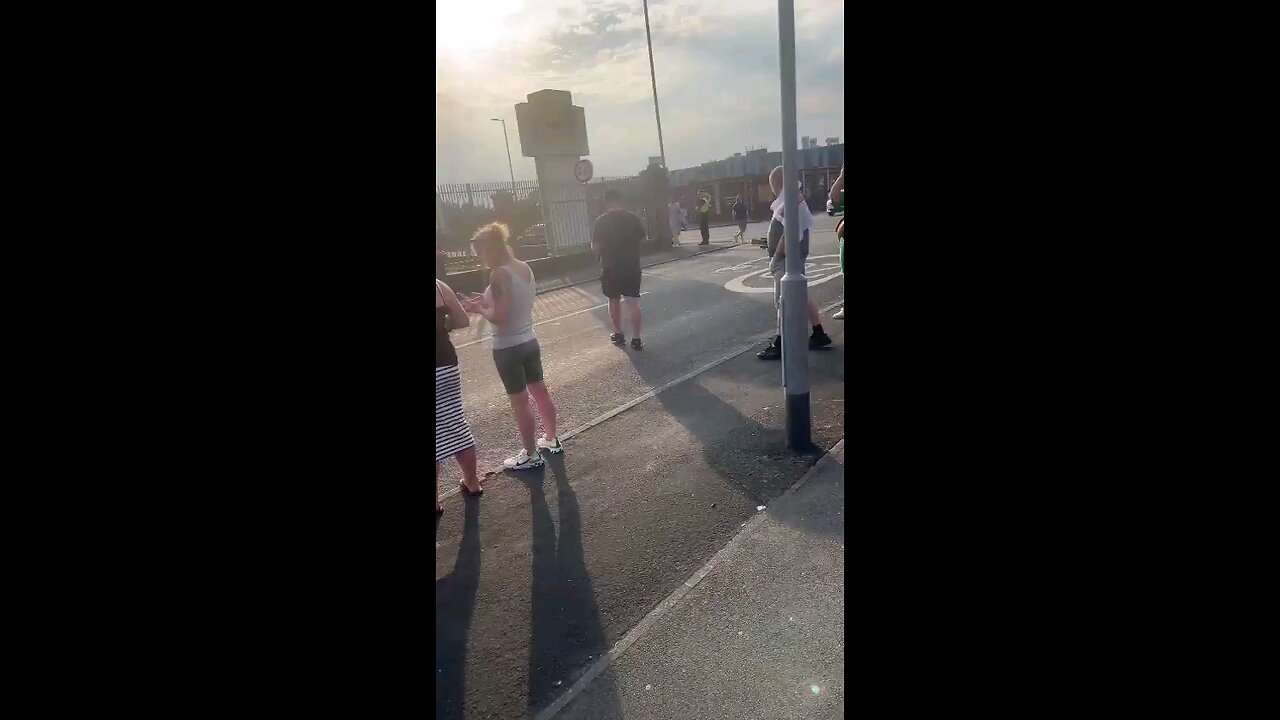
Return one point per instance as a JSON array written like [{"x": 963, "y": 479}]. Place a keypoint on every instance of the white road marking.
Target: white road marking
[
  {"x": 544, "y": 322},
  {"x": 812, "y": 269},
  {"x": 670, "y": 602},
  {"x": 743, "y": 265}
]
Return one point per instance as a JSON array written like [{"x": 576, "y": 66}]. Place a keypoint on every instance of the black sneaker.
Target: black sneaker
[
  {"x": 819, "y": 341},
  {"x": 618, "y": 338},
  {"x": 773, "y": 352},
  {"x": 636, "y": 344}
]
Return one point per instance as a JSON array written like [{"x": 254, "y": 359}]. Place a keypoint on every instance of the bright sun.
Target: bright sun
[{"x": 464, "y": 26}]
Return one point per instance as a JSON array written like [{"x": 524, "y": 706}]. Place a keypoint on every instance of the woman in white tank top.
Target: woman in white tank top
[{"x": 508, "y": 304}]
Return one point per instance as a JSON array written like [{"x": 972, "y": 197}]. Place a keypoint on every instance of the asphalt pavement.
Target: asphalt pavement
[
  {"x": 760, "y": 636},
  {"x": 669, "y": 451}
]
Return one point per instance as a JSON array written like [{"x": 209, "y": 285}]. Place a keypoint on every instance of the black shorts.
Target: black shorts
[
  {"x": 616, "y": 282},
  {"x": 519, "y": 365}
]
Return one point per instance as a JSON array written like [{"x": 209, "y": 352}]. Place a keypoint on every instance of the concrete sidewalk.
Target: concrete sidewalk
[{"x": 760, "y": 634}]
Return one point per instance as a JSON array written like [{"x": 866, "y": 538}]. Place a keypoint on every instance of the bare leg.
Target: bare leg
[
  {"x": 546, "y": 407},
  {"x": 467, "y": 461},
  {"x": 814, "y": 318},
  {"x": 523, "y": 411},
  {"x": 437, "y": 486},
  {"x": 615, "y": 314},
  {"x": 632, "y": 306}
]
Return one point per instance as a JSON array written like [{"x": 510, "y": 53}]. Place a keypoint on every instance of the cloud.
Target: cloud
[{"x": 717, "y": 75}]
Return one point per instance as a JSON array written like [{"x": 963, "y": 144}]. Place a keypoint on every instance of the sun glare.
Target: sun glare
[{"x": 464, "y": 26}]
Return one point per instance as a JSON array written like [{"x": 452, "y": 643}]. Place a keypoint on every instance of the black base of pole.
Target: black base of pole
[{"x": 798, "y": 422}]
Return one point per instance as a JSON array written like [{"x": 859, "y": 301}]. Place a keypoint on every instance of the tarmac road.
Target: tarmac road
[{"x": 550, "y": 568}]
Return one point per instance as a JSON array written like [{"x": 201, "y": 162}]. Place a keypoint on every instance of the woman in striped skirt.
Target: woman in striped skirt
[{"x": 453, "y": 435}]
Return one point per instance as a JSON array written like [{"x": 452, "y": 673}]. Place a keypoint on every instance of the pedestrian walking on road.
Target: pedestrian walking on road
[
  {"x": 508, "y": 304},
  {"x": 615, "y": 238},
  {"x": 674, "y": 220},
  {"x": 453, "y": 435},
  {"x": 740, "y": 215},
  {"x": 704, "y": 217},
  {"x": 778, "y": 265}
]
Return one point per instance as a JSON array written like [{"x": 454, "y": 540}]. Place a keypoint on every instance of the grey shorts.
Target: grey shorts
[
  {"x": 778, "y": 265},
  {"x": 518, "y": 366}
]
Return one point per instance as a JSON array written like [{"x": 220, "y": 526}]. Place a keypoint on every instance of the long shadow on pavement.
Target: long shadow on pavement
[
  {"x": 455, "y": 601},
  {"x": 567, "y": 635},
  {"x": 752, "y": 455}
]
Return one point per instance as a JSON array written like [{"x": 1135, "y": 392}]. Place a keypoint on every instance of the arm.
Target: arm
[
  {"x": 458, "y": 317},
  {"x": 597, "y": 242},
  {"x": 500, "y": 284}
]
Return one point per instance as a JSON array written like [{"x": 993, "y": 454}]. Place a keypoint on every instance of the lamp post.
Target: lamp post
[
  {"x": 654, "y": 79},
  {"x": 508, "y": 142},
  {"x": 795, "y": 286}
]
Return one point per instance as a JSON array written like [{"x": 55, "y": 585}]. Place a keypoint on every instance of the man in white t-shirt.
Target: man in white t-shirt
[
  {"x": 674, "y": 220},
  {"x": 778, "y": 265}
]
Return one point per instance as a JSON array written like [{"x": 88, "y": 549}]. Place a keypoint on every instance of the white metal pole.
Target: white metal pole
[{"x": 795, "y": 294}]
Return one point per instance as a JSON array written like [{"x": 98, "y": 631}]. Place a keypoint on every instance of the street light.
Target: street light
[
  {"x": 508, "y": 142},
  {"x": 795, "y": 292},
  {"x": 654, "y": 79}
]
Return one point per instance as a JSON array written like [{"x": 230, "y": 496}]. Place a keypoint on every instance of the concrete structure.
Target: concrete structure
[{"x": 553, "y": 131}]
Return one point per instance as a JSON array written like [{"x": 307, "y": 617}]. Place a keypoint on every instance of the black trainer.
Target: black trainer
[
  {"x": 773, "y": 352},
  {"x": 636, "y": 344},
  {"x": 618, "y": 338},
  {"x": 819, "y": 341}
]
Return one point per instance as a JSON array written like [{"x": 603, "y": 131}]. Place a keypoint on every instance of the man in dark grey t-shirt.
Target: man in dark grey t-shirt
[{"x": 615, "y": 237}]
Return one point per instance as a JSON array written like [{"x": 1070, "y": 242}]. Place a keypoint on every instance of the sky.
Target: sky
[{"x": 716, "y": 65}]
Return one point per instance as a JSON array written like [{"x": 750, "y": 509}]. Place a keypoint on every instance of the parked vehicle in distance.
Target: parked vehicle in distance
[{"x": 532, "y": 243}]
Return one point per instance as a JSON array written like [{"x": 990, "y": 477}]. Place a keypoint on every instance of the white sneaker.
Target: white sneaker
[
  {"x": 839, "y": 315},
  {"x": 522, "y": 461},
  {"x": 552, "y": 446}
]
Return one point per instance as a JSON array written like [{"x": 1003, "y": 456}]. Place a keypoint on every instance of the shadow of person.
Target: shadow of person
[
  {"x": 567, "y": 634},
  {"x": 748, "y": 450},
  {"x": 455, "y": 601}
]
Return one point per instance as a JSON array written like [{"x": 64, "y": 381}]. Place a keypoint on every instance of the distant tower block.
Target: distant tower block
[{"x": 553, "y": 131}]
